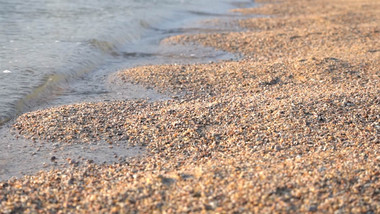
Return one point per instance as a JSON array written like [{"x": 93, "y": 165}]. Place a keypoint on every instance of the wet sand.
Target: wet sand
[{"x": 291, "y": 127}]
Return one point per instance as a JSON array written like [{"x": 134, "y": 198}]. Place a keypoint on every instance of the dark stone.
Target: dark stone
[{"x": 313, "y": 208}]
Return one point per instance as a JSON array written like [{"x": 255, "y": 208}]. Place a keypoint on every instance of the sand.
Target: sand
[{"x": 292, "y": 127}]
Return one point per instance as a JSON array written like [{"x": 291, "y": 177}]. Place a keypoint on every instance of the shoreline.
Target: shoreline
[
  {"x": 291, "y": 127},
  {"x": 130, "y": 43},
  {"x": 23, "y": 156}
]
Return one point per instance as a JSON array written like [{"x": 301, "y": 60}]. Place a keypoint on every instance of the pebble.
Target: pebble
[{"x": 226, "y": 143}]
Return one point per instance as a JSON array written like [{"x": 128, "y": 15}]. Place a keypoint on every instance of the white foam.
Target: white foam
[{"x": 7, "y": 71}]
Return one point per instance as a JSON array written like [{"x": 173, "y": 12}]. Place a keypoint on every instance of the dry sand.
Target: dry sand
[{"x": 293, "y": 127}]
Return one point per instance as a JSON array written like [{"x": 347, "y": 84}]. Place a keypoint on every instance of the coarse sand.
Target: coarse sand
[{"x": 293, "y": 127}]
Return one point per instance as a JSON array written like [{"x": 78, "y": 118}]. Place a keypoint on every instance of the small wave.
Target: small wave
[
  {"x": 210, "y": 14},
  {"x": 104, "y": 46},
  {"x": 137, "y": 54}
]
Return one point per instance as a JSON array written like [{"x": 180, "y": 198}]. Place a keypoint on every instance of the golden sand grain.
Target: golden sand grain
[{"x": 291, "y": 128}]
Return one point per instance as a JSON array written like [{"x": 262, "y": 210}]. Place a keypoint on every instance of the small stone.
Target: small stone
[{"x": 313, "y": 208}]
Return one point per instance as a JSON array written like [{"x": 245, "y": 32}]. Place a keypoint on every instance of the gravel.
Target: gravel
[{"x": 293, "y": 127}]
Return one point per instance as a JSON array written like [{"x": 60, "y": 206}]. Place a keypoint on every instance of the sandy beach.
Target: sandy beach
[{"x": 292, "y": 127}]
